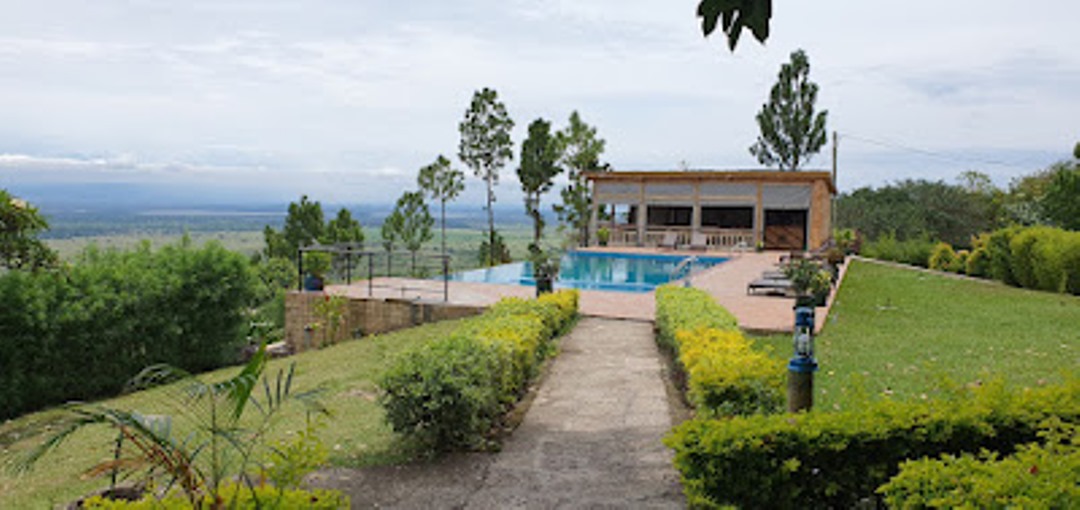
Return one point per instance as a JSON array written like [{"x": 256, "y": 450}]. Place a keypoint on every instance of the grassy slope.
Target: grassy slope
[
  {"x": 357, "y": 434},
  {"x": 902, "y": 331}
]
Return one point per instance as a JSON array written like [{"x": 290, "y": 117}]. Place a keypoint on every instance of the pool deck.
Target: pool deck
[{"x": 725, "y": 282}]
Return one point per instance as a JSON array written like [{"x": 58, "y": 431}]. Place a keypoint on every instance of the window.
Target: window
[
  {"x": 728, "y": 217},
  {"x": 669, "y": 216}
]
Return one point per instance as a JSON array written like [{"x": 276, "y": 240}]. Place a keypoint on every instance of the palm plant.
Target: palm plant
[{"x": 205, "y": 444}]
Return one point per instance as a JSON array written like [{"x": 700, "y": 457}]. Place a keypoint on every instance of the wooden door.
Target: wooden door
[{"x": 785, "y": 230}]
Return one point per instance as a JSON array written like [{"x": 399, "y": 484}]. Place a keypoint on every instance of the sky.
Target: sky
[{"x": 344, "y": 100}]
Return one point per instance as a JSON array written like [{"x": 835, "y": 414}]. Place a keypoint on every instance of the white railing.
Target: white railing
[{"x": 715, "y": 239}]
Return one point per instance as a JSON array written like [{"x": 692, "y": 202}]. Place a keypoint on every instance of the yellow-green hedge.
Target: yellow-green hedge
[
  {"x": 451, "y": 392},
  {"x": 724, "y": 374},
  {"x": 233, "y": 496}
]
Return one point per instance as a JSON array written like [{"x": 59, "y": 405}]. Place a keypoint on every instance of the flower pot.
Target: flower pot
[{"x": 313, "y": 283}]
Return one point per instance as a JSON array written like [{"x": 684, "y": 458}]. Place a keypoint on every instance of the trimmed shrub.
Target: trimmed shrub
[
  {"x": 915, "y": 251},
  {"x": 978, "y": 263},
  {"x": 1000, "y": 254},
  {"x": 722, "y": 373},
  {"x": 1041, "y": 258},
  {"x": 726, "y": 376},
  {"x": 450, "y": 393},
  {"x": 1036, "y": 476},
  {"x": 82, "y": 332},
  {"x": 835, "y": 460},
  {"x": 943, "y": 258}
]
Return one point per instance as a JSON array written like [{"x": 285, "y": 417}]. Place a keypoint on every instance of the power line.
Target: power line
[{"x": 934, "y": 154}]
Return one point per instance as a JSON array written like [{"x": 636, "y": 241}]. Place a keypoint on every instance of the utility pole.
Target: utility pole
[{"x": 832, "y": 210}]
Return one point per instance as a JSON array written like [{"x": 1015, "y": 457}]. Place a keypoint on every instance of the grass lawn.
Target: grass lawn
[
  {"x": 357, "y": 434},
  {"x": 899, "y": 333}
]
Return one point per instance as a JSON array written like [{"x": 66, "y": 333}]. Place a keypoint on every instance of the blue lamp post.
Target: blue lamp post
[{"x": 802, "y": 366}]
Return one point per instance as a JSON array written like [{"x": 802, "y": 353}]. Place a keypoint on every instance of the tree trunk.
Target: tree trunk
[
  {"x": 443, "y": 207},
  {"x": 491, "y": 222},
  {"x": 413, "y": 263}
]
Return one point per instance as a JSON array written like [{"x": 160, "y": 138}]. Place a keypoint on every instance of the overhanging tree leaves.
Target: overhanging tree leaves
[
  {"x": 1061, "y": 203},
  {"x": 579, "y": 152},
  {"x": 732, "y": 16},
  {"x": 414, "y": 225},
  {"x": 20, "y": 224},
  {"x": 444, "y": 183},
  {"x": 486, "y": 146},
  {"x": 539, "y": 155},
  {"x": 790, "y": 131}
]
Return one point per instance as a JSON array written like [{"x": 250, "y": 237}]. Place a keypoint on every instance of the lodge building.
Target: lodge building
[{"x": 727, "y": 209}]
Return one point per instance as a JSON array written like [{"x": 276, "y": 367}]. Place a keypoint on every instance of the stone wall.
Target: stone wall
[{"x": 362, "y": 316}]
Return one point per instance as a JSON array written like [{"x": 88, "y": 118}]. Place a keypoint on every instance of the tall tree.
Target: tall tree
[
  {"x": 1061, "y": 203},
  {"x": 20, "y": 224},
  {"x": 579, "y": 152},
  {"x": 303, "y": 227},
  {"x": 390, "y": 230},
  {"x": 343, "y": 229},
  {"x": 443, "y": 183},
  {"x": 539, "y": 158},
  {"x": 734, "y": 15},
  {"x": 414, "y": 227},
  {"x": 486, "y": 146},
  {"x": 1076, "y": 151},
  {"x": 790, "y": 131}
]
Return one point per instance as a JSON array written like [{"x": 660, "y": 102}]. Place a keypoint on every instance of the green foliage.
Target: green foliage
[
  {"x": 205, "y": 444},
  {"x": 81, "y": 333},
  {"x": 978, "y": 263},
  {"x": 410, "y": 223},
  {"x": 579, "y": 152},
  {"x": 724, "y": 374},
  {"x": 943, "y": 258},
  {"x": 734, "y": 15},
  {"x": 303, "y": 227},
  {"x": 485, "y": 147},
  {"x": 915, "y": 251},
  {"x": 493, "y": 255},
  {"x": 1061, "y": 203},
  {"x": 913, "y": 209},
  {"x": 236, "y": 496},
  {"x": 539, "y": 166},
  {"x": 20, "y": 223},
  {"x": 790, "y": 131},
  {"x": 1037, "y": 476},
  {"x": 687, "y": 308},
  {"x": 444, "y": 183},
  {"x": 1041, "y": 258},
  {"x": 835, "y": 460},
  {"x": 450, "y": 393},
  {"x": 808, "y": 278}
]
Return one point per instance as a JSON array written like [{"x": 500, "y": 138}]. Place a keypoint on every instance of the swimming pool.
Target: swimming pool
[{"x": 622, "y": 272}]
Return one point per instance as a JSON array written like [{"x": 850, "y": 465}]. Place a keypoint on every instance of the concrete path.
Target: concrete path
[{"x": 591, "y": 439}]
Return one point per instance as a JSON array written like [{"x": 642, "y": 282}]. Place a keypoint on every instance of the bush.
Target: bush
[
  {"x": 1000, "y": 254},
  {"x": 234, "y": 496},
  {"x": 943, "y": 258},
  {"x": 978, "y": 263},
  {"x": 449, "y": 393},
  {"x": 723, "y": 374},
  {"x": 1036, "y": 476},
  {"x": 835, "y": 460},
  {"x": 726, "y": 376},
  {"x": 1041, "y": 258},
  {"x": 915, "y": 251},
  {"x": 80, "y": 333}
]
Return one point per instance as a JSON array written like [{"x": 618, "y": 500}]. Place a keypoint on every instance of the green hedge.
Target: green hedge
[
  {"x": 234, "y": 496},
  {"x": 721, "y": 371},
  {"x": 81, "y": 332},
  {"x": 451, "y": 392},
  {"x": 915, "y": 251},
  {"x": 835, "y": 460},
  {"x": 1041, "y": 258}
]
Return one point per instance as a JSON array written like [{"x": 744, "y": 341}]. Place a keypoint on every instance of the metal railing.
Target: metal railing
[{"x": 355, "y": 251}]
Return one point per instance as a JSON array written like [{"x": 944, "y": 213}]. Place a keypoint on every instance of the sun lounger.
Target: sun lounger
[
  {"x": 698, "y": 241},
  {"x": 671, "y": 240},
  {"x": 770, "y": 286}
]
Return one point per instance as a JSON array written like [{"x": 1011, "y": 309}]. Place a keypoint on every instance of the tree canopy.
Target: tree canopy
[
  {"x": 20, "y": 224},
  {"x": 790, "y": 132},
  {"x": 485, "y": 145},
  {"x": 732, "y": 16},
  {"x": 1061, "y": 203},
  {"x": 304, "y": 226},
  {"x": 579, "y": 150},
  {"x": 539, "y": 166},
  {"x": 411, "y": 223},
  {"x": 444, "y": 183}
]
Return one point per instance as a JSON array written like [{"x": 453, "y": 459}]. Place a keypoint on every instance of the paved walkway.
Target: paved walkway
[{"x": 591, "y": 439}]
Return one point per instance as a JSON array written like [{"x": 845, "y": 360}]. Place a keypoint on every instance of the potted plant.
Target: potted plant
[
  {"x": 603, "y": 235},
  {"x": 316, "y": 264},
  {"x": 545, "y": 268},
  {"x": 810, "y": 282}
]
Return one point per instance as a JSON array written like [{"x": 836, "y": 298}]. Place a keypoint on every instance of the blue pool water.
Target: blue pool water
[{"x": 622, "y": 272}]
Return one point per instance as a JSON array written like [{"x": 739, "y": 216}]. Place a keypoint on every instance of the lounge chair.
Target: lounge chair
[
  {"x": 771, "y": 286},
  {"x": 671, "y": 240},
  {"x": 698, "y": 241}
]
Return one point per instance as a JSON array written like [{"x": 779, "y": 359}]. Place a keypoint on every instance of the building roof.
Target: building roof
[{"x": 770, "y": 176}]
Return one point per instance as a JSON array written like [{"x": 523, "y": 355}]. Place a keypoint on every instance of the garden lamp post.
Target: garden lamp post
[{"x": 802, "y": 366}]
